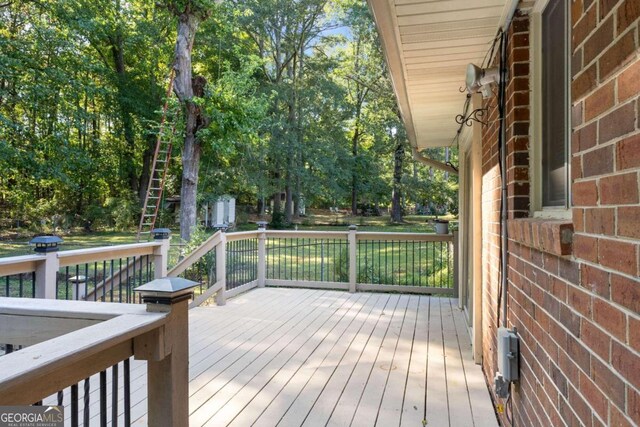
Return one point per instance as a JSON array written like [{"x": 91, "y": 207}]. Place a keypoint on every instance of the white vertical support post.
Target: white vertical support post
[
  {"x": 46, "y": 272},
  {"x": 161, "y": 252},
  {"x": 47, "y": 268},
  {"x": 456, "y": 285},
  {"x": 353, "y": 257},
  {"x": 262, "y": 255},
  {"x": 221, "y": 269}
]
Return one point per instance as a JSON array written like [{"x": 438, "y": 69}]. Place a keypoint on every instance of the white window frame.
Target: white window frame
[{"x": 535, "y": 130}]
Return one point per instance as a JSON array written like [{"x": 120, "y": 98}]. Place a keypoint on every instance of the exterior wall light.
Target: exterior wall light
[{"x": 481, "y": 79}]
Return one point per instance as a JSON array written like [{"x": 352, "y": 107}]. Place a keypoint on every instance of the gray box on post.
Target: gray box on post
[{"x": 508, "y": 348}]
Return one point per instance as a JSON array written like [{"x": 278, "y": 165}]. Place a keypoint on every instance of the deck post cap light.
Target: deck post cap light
[
  {"x": 353, "y": 227},
  {"x": 262, "y": 224},
  {"x": 166, "y": 291},
  {"x": 44, "y": 244},
  {"x": 161, "y": 233}
]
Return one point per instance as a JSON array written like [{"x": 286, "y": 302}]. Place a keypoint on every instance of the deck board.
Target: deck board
[{"x": 293, "y": 357}]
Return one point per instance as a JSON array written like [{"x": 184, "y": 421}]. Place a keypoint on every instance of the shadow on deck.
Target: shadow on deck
[{"x": 291, "y": 357}]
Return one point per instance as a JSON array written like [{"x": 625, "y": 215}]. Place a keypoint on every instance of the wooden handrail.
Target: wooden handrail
[
  {"x": 70, "y": 358},
  {"x": 195, "y": 256},
  {"x": 291, "y": 234},
  {"x": 242, "y": 235},
  {"x": 106, "y": 253},
  {"x": 404, "y": 237},
  {"x": 19, "y": 264}
]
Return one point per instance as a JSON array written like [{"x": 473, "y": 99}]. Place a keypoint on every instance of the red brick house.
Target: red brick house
[{"x": 550, "y": 204}]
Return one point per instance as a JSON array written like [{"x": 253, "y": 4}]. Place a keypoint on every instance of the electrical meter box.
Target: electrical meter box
[{"x": 508, "y": 348}]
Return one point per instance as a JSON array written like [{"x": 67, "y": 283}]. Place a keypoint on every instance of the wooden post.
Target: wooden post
[
  {"x": 161, "y": 259},
  {"x": 262, "y": 256},
  {"x": 46, "y": 273},
  {"x": 353, "y": 257},
  {"x": 456, "y": 285},
  {"x": 221, "y": 269},
  {"x": 166, "y": 350}
]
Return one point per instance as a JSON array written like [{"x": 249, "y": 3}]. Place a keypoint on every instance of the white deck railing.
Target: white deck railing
[
  {"x": 229, "y": 263},
  {"x": 67, "y": 342}
]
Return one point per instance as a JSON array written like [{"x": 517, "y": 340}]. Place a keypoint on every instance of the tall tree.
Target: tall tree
[{"x": 188, "y": 89}]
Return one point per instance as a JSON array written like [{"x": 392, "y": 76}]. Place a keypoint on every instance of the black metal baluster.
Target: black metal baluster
[
  {"x": 104, "y": 276},
  {"x": 74, "y": 405},
  {"x": 111, "y": 280},
  {"x": 128, "y": 283},
  {"x": 449, "y": 267},
  {"x": 114, "y": 395},
  {"x": 297, "y": 247},
  {"x": 86, "y": 280},
  {"x": 133, "y": 279},
  {"x": 406, "y": 264},
  {"x": 33, "y": 284},
  {"x": 119, "y": 280},
  {"x": 7, "y": 287},
  {"x": 66, "y": 284},
  {"x": 127, "y": 393},
  {"x": 441, "y": 264},
  {"x": 140, "y": 280},
  {"x": 20, "y": 289},
  {"x": 103, "y": 398},
  {"x": 87, "y": 401},
  {"x": 413, "y": 262},
  {"x": 60, "y": 398},
  {"x": 95, "y": 281}
]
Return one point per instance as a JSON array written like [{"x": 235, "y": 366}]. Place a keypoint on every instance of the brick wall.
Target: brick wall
[{"x": 574, "y": 296}]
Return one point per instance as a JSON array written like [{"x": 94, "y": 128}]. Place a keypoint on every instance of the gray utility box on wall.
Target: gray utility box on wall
[{"x": 508, "y": 367}]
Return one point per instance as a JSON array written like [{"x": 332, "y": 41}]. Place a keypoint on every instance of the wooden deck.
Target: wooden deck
[{"x": 293, "y": 357}]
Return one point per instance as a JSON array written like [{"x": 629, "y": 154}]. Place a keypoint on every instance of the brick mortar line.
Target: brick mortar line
[
  {"x": 591, "y": 353},
  {"x": 615, "y": 106},
  {"x": 593, "y": 295},
  {"x": 544, "y": 369},
  {"x": 616, "y": 39},
  {"x": 621, "y": 308}
]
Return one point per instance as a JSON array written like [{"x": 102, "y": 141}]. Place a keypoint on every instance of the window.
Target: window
[{"x": 551, "y": 105}]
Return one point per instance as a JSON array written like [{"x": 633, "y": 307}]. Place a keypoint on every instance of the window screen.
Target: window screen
[{"x": 554, "y": 104}]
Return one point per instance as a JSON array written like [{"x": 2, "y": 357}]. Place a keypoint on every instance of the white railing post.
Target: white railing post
[
  {"x": 456, "y": 285},
  {"x": 47, "y": 269},
  {"x": 221, "y": 269},
  {"x": 262, "y": 254},
  {"x": 46, "y": 273},
  {"x": 353, "y": 257},
  {"x": 161, "y": 253}
]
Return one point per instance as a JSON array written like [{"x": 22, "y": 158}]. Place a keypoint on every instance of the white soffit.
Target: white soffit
[{"x": 428, "y": 44}]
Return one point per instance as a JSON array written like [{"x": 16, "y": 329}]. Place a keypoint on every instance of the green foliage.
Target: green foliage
[
  {"x": 290, "y": 87},
  {"x": 124, "y": 211}
]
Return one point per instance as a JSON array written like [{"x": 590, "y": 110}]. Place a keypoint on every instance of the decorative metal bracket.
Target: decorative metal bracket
[{"x": 474, "y": 116}]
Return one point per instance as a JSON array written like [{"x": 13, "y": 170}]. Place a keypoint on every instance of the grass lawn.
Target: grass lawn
[{"x": 322, "y": 221}]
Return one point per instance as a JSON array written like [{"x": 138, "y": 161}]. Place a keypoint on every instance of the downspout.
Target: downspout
[{"x": 447, "y": 167}]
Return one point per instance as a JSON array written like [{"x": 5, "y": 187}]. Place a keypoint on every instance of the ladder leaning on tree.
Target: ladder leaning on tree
[{"x": 158, "y": 175}]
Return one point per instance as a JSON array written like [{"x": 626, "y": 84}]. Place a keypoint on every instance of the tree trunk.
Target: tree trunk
[
  {"x": 354, "y": 172},
  {"x": 396, "y": 199},
  {"x": 186, "y": 88}
]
